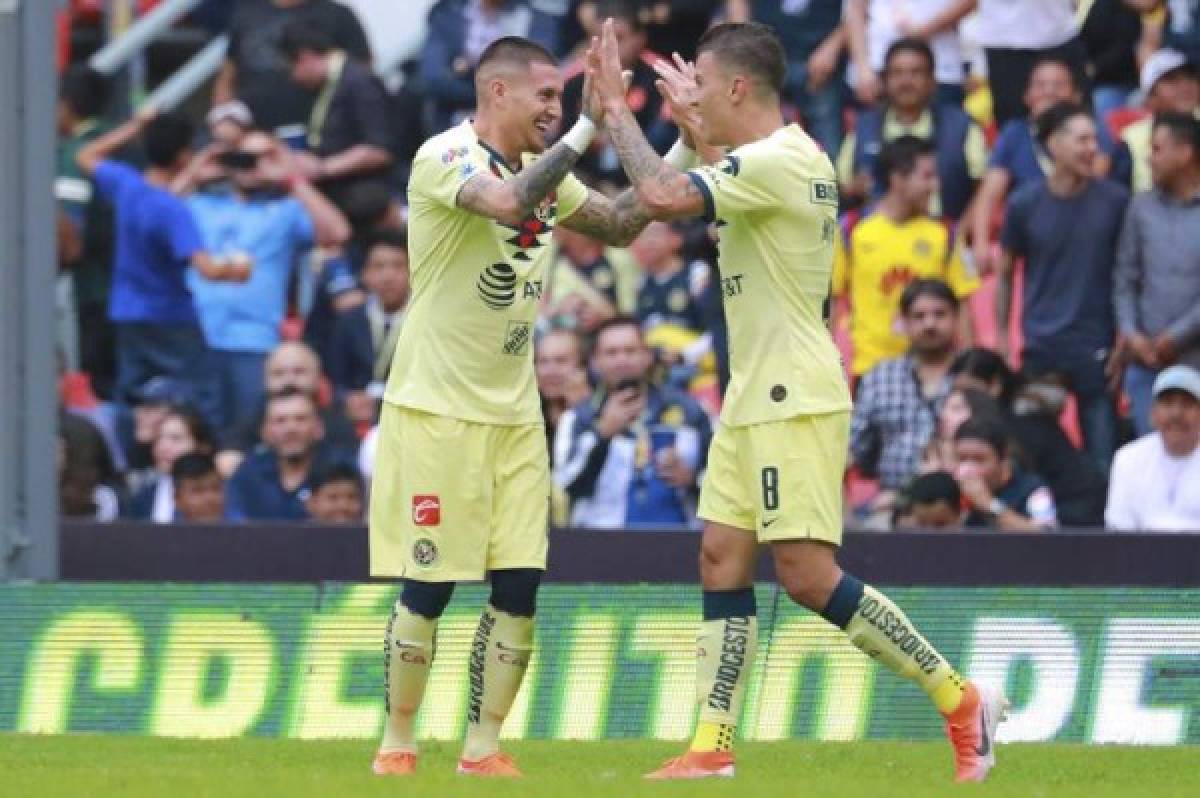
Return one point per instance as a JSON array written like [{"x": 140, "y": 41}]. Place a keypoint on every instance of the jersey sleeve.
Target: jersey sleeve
[
  {"x": 572, "y": 193},
  {"x": 439, "y": 176},
  {"x": 738, "y": 184}
]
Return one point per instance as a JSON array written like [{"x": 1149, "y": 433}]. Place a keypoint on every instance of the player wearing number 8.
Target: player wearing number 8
[{"x": 775, "y": 465}]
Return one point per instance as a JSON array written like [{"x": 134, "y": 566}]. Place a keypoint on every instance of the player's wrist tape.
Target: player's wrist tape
[
  {"x": 580, "y": 136},
  {"x": 681, "y": 156}
]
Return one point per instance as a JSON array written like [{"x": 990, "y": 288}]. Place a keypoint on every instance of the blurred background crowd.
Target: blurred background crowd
[{"x": 1016, "y": 288}]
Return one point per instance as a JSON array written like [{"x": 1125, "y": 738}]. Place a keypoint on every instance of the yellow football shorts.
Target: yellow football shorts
[
  {"x": 452, "y": 499},
  {"x": 780, "y": 479}
]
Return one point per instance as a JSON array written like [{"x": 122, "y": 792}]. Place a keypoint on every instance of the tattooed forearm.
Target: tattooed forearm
[
  {"x": 630, "y": 216},
  {"x": 535, "y": 181},
  {"x": 638, "y": 158},
  {"x": 663, "y": 191},
  {"x": 616, "y": 222}
]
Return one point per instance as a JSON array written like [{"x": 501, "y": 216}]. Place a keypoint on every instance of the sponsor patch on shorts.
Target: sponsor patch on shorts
[{"x": 426, "y": 510}]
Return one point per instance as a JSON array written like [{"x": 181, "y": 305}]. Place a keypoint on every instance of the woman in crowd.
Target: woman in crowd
[{"x": 181, "y": 432}]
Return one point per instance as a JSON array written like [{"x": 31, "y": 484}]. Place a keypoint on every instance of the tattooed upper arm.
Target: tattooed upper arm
[
  {"x": 487, "y": 195},
  {"x": 511, "y": 201},
  {"x": 616, "y": 222}
]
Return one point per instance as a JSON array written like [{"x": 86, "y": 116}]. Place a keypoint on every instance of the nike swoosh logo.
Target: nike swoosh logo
[
  {"x": 985, "y": 742},
  {"x": 511, "y": 650},
  {"x": 766, "y": 523}
]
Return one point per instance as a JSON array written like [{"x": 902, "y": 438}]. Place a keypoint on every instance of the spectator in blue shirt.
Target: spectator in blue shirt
[
  {"x": 1066, "y": 228},
  {"x": 273, "y": 483},
  {"x": 1017, "y": 157},
  {"x": 632, "y": 454},
  {"x": 156, "y": 243},
  {"x": 267, "y": 220}
]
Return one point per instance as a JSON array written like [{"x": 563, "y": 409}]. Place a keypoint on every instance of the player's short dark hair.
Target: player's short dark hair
[
  {"x": 909, "y": 45},
  {"x": 516, "y": 50},
  {"x": 984, "y": 364},
  {"x": 193, "y": 465},
  {"x": 615, "y": 322},
  {"x": 291, "y": 392},
  {"x": 395, "y": 239},
  {"x": 624, "y": 10},
  {"x": 927, "y": 286},
  {"x": 749, "y": 46},
  {"x": 1057, "y": 117},
  {"x": 166, "y": 136},
  {"x": 84, "y": 90},
  {"x": 334, "y": 473},
  {"x": 900, "y": 155},
  {"x": 934, "y": 487},
  {"x": 301, "y": 36},
  {"x": 1184, "y": 128},
  {"x": 989, "y": 430}
]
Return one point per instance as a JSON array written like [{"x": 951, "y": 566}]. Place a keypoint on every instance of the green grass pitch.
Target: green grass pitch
[{"x": 109, "y": 765}]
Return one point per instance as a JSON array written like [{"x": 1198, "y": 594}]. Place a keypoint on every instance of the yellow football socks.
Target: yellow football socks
[
  {"x": 407, "y": 659},
  {"x": 724, "y": 658},
  {"x": 881, "y": 630},
  {"x": 498, "y": 660}
]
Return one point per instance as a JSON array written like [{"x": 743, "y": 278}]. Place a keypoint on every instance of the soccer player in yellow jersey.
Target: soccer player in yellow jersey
[
  {"x": 462, "y": 487},
  {"x": 775, "y": 465},
  {"x": 894, "y": 245}
]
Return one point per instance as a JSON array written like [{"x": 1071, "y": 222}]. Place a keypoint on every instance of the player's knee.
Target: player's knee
[
  {"x": 514, "y": 590},
  {"x": 803, "y": 593},
  {"x": 427, "y": 599}
]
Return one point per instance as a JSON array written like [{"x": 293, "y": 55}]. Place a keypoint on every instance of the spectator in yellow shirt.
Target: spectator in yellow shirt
[{"x": 894, "y": 245}]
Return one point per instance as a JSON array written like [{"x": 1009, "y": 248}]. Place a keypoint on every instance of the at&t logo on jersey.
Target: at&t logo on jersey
[
  {"x": 426, "y": 510},
  {"x": 497, "y": 286}
]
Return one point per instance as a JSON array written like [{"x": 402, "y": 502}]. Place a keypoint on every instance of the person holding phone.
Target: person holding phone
[
  {"x": 631, "y": 455},
  {"x": 268, "y": 218}
]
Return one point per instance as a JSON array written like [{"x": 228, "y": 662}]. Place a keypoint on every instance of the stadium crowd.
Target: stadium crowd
[{"x": 232, "y": 287}]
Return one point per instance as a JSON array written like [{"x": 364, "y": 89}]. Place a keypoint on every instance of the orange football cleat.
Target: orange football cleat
[
  {"x": 497, "y": 765},
  {"x": 972, "y": 732},
  {"x": 696, "y": 765},
  {"x": 394, "y": 763}
]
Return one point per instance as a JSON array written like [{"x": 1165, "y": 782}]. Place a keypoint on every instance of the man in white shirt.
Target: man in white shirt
[{"x": 1155, "y": 482}]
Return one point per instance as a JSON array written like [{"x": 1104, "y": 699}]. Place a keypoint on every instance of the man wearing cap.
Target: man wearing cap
[
  {"x": 1168, "y": 83},
  {"x": 1156, "y": 479},
  {"x": 1156, "y": 287}
]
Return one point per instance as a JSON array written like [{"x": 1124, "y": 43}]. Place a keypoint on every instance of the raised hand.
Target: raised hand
[
  {"x": 604, "y": 69},
  {"x": 677, "y": 84},
  {"x": 593, "y": 106}
]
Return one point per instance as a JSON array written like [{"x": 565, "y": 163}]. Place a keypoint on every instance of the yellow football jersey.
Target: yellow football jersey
[
  {"x": 883, "y": 258},
  {"x": 775, "y": 205},
  {"x": 466, "y": 347}
]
